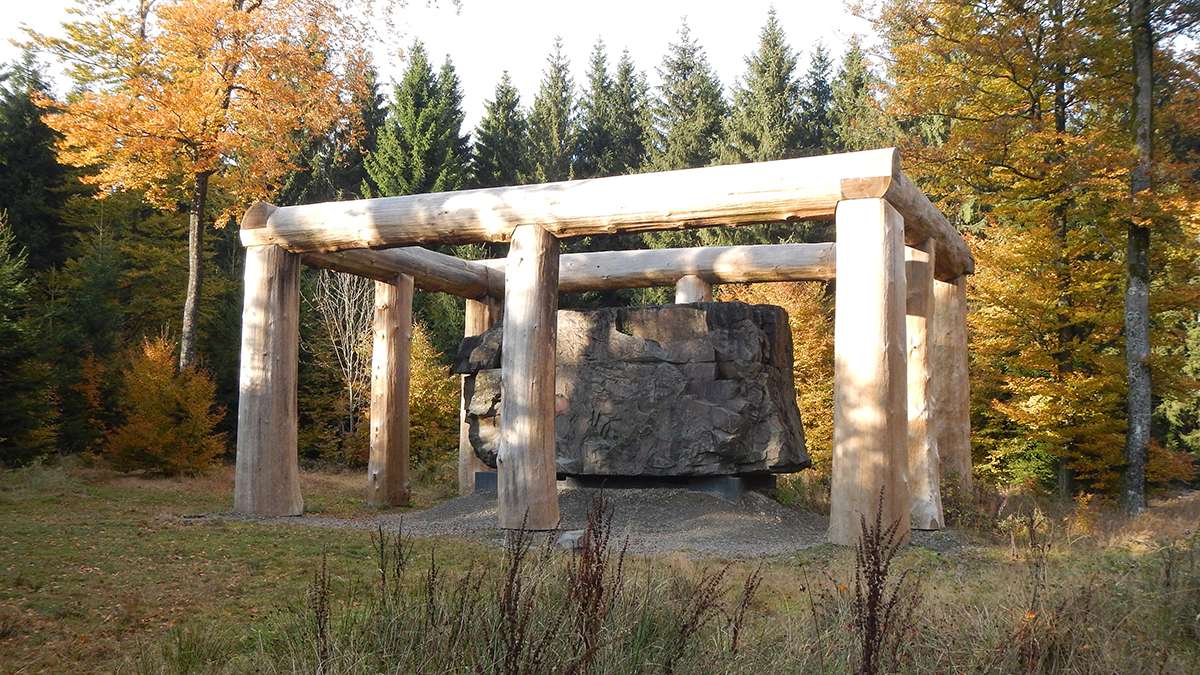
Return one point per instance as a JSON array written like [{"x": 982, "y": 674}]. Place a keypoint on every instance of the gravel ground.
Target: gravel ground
[{"x": 654, "y": 520}]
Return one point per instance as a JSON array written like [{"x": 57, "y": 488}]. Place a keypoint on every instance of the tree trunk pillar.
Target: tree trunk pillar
[
  {"x": 951, "y": 385},
  {"x": 387, "y": 468},
  {"x": 528, "y": 494},
  {"x": 870, "y": 411},
  {"x": 267, "y": 476},
  {"x": 924, "y": 483},
  {"x": 692, "y": 288},
  {"x": 480, "y": 316}
]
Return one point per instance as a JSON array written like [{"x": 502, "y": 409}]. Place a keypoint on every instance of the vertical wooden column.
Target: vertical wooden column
[
  {"x": 924, "y": 484},
  {"x": 267, "y": 477},
  {"x": 480, "y": 315},
  {"x": 692, "y": 288},
  {"x": 528, "y": 493},
  {"x": 387, "y": 468},
  {"x": 870, "y": 382},
  {"x": 951, "y": 381}
]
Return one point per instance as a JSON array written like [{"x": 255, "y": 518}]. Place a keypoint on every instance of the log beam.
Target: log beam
[
  {"x": 388, "y": 464},
  {"x": 924, "y": 483},
  {"x": 764, "y": 192},
  {"x": 480, "y": 316},
  {"x": 870, "y": 404},
  {"x": 267, "y": 476},
  {"x": 952, "y": 386},
  {"x": 430, "y": 270},
  {"x": 528, "y": 495},
  {"x": 692, "y": 288}
]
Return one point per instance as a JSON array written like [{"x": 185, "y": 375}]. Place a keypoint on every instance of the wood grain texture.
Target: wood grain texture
[
  {"x": 528, "y": 495},
  {"x": 267, "y": 476},
  {"x": 923, "y": 220},
  {"x": 870, "y": 400},
  {"x": 480, "y": 316},
  {"x": 692, "y": 288},
  {"x": 924, "y": 482},
  {"x": 952, "y": 385},
  {"x": 430, "y": 270},
  {"x": 388, "y": 464}
]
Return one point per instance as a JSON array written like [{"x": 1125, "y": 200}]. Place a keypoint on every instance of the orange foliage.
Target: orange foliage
[
  {"x": 182, "y": 88},
  {"x": 169, "y": 416},
  {"x": 810, "y": 317}
]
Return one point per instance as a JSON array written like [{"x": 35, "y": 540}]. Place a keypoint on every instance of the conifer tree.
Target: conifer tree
[
  {"x": 689, "y": 109},
  {"x": 630, "y": 120},
  {"x": 420, "y": 148},
  {"x": 553, "y": 124},
  {"x": 501, "y": 153},
  {"x": 332, "y": 167},
  {"x": 857, "y": 121},
  {"x": 32, "y": 182},
  {"x": 816, "y": 102},
  {"x": 765, "y": 123},
  {"x": 596, "y": 119},
  {"x": 23, "y": 404}
]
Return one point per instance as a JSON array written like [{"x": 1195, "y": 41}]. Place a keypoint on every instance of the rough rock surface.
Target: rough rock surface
[{"x": 676, "y": 390}]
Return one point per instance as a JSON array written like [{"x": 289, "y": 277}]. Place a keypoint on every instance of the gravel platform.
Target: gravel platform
[{"x": 655, "y": 520}]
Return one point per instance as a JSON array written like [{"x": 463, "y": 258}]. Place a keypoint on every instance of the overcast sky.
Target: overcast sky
[{"x": 486, "y": 37}]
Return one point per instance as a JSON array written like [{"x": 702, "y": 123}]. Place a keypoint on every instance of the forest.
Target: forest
[{"x": 1029, "y": 122}]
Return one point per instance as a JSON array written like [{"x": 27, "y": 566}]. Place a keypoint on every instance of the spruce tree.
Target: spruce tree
[
  {"x": 765, "y": 124},
  {"x": 595, "y": 119},
  {"x": 857, "y": 121},
  {"x": 689, "y": 110},
  {"x": 420, "y": 148},
  {"x": 332, "y": 168},
  {"x": 32, "y": 182},
  {"x": 501, "y": 140},
  {"x": 631, "y": 119},
  {"x": 552, "y": 125},
  {"x": 24, "y": 407},
  {"x": 816, "y": 101}
]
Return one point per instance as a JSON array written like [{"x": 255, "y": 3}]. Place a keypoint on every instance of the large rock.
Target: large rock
[{"x": 676, "y": 390}]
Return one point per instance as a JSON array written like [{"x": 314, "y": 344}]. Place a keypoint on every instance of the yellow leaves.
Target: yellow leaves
[{"x": 205, "y": 86}]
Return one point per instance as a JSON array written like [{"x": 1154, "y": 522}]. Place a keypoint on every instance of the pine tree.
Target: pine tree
[
  {"x": 689, "y": 109},
  {"x": 501, "y": 153},
  {"x": 420, "y": 148},
  {"x": 331, "y": 168},
  {"x": 816, "y": 101},
  {"x": 630, "y": 121},
  {"x": 596, "y": 143},
  {"x": 33, "y": 185},
  {"x": 765, "y": 124},
  {"x": 856, "y": 118},
  {"x": 553, "y": 124}
]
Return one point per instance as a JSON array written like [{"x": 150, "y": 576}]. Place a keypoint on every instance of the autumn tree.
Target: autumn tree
[{"x": 180, "y": 94}]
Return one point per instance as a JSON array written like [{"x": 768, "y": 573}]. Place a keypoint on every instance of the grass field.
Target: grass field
[{"x": 106, "y": 573}]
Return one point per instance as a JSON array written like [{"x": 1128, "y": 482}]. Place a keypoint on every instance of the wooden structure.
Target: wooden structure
[{"x": 886, "y": 365}]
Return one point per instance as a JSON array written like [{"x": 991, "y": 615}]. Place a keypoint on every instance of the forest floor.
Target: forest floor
[{"x": 102, "y": 572}]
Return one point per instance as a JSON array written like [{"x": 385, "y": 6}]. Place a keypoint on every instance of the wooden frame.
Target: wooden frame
[{"x": 884, "y": 361}]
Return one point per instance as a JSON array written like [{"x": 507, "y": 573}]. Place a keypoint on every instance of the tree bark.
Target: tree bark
[
  {"x": 1137, "y": 291},
  {"x": 191, "y": 303}
]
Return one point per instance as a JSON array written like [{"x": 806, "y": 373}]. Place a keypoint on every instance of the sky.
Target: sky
[{"x": 486, "y": 37}]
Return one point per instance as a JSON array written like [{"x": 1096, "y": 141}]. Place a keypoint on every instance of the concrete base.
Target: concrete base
[
  {"x": 729, "y": 488},
  {"x": 486, "y": 481}
]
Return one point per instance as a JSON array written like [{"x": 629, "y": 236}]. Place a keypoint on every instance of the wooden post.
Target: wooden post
[
  {"x": 870, "y": 411},
  {"x": 528, "y": 494},
  {"x": 387, "y": 468},
  {"x": 924, "y": 484},
  {"x": 692, "y": 288},
  {"x": 267, "y": 477},
  {"x": 951, "y": 384},
  {"x": 480, "y": 315}
]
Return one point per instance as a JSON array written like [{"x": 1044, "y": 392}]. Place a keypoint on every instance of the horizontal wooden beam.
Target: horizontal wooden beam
[
  {"x": 807, "y": 188},
  {"x": 646, "y": 268},
  {"x": 430, "y": 270}
]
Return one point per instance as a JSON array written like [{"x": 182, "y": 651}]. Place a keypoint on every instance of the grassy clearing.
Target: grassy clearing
[{"x": 104, "y": 573}]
